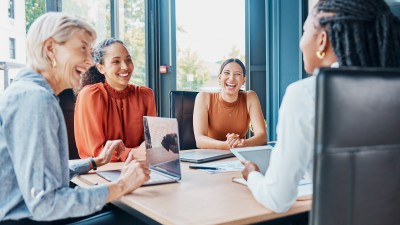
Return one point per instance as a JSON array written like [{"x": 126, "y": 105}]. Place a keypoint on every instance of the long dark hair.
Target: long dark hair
[
  {"x": 361, "y": 32},
  {"x": 93, "y": 75},
  {"x": 226, "y": 62}
]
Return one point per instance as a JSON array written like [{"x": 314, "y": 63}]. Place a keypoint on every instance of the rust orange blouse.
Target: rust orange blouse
[
  {"x": 103, "y": 113},
  {"x": 225, "y": 117}
]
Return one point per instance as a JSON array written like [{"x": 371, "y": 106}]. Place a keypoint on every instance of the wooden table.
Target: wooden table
[{"x": 199, "y": 198}]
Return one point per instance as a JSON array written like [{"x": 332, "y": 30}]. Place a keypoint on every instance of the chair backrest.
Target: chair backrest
[
  {"x": 67, "y": 103},
  {"x": 357, "y": 147},
  {"x": 181, "y": 108}
]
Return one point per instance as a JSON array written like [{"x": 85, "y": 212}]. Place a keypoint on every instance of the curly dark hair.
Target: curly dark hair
[
  {"x": 361, "y": 32},
  {"x": 92, "y": 75}
]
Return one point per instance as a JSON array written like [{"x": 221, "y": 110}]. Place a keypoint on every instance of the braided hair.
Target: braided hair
[
  {"x": 93, "y": 75},
  {"x": 361, "y": 32}
]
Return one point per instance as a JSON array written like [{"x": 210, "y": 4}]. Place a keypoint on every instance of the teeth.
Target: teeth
[
  {"x": 123, "y": 74},
  {"x": 231, "y": 85}
]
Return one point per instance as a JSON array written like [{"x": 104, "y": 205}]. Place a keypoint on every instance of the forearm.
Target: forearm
[
  {"x": 207, "y": 142},
  {"x": 115, "y": 190},
  {"x": 256, "y": 140}
]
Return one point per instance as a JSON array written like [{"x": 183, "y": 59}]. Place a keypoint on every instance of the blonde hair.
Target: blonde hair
[{"x": 56, "y": 25}]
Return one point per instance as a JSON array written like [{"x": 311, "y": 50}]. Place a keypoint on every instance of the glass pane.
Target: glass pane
[
  {"x": 96, "y": 12},
  {"x": 132, "y": 32},
  {"x": 33, "y": 9},
  {"x": 207, "y": 33}
]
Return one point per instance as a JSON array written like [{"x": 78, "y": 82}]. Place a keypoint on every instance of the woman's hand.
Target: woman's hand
[
  {"x": 139, "y": 153},
  {"x": 111, "y": 148},
  {"x": 133, "y": 174},
  {"x": 248, "y": 167},
  {"x": 234, "y": 140}
]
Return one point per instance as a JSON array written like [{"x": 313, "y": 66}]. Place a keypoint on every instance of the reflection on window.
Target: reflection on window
[
  {"x": 95, "y": 12},
  {"x": 11, "y": 10},
  {"x": 132, "y": 32},
  {"x": 205, "y": 37},
  {"x": 12, "y": 48}
]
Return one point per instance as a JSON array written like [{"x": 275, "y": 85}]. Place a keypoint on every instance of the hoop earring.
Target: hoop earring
[
  {"x": 53, "y": 63},
  {"x": 320, "y": 54}
]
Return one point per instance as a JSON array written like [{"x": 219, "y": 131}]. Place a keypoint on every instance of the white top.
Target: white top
[{"x": 292, "y": 157}]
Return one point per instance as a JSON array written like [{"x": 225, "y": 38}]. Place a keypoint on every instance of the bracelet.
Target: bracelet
[{"x": 93, "y": 164}]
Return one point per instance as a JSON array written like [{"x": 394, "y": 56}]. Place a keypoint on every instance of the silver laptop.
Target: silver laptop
[
  {"x": 204, "y": 155},
  {"x": 162, "y": 151}
]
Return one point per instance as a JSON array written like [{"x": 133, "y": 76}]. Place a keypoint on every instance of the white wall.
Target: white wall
[{"x": 12, "y": 28}]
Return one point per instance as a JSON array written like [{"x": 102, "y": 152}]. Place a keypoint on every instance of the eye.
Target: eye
[
  {"x": 115, "y": 62},
  {"x": 226, "y": 73}
]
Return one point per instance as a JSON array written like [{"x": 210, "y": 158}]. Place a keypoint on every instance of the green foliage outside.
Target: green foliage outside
[
  {"x": 33, "y": 9},
  {"x": 135, "y": 38},
  {"x": 191, "y": 70}
]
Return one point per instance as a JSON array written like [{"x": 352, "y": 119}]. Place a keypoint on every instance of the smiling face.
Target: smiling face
[
  {"x": 117, "y": 67},
  {"x": 72, "y": 60},
  {"x": 231, "y": 79}
]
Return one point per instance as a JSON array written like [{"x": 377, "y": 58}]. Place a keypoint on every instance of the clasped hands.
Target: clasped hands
[{"x": 234, "y": 140}]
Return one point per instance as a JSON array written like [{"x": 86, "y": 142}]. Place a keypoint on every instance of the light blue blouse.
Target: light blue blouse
[{"x": 34, "y": 170}]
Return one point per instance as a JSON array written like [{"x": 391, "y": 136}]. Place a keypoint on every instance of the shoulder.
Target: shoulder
[
  {"x": 305, "y": 86},
  {"x": 93, "y": 93},
  {"x": 143, "y": 93},
  {"x": 300, "y": 96},
  {"x": 144, "y": 90},
  {"x": 93, "y": 89},
  {"x": 251, "y": 95},
  {"x": 203, "y": 96}
]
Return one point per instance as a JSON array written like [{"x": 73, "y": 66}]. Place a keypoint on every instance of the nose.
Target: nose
[
  {"x": 123, "y": 65},
  {"x": 89, "y": 61}
]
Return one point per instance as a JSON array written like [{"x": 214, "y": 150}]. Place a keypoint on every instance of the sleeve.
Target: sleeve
[
  {"x": 292, "y": 155},
  {"x": 38, "y": 165},
  {"x": 79, "y": 167},
  {"x": 90, "y": 110},
  {"x": 149, "y": 102}
]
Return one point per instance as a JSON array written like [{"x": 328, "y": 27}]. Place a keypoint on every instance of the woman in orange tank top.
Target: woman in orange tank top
[{"x": 221, "y": 120}]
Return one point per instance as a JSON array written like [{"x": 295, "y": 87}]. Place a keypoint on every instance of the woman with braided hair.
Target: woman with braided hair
[
  {"x": 336, "y": 33},
  {"x": 108, "y": 107}
]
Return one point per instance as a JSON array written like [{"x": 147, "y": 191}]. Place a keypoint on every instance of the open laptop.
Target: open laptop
[
  {"x": 162, "y": 151},
  {"x": 204, "y": 155}
]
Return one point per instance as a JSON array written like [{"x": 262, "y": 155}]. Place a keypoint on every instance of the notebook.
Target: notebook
[{"x": 162, "y": 151}]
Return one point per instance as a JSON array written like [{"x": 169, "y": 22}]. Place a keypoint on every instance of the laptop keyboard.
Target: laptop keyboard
[{"x": 172, "y": 167}]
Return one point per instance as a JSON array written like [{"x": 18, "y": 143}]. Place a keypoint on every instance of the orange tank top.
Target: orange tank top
[{"x": 225, "y": 117}]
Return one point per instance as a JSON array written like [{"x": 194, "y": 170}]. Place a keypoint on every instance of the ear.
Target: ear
[
  {"x": 244, "y": 80},
  {"x": 49, "y": 48},
  {"x": 100, "y": 68},
  {"x": 323, "y": 41}
]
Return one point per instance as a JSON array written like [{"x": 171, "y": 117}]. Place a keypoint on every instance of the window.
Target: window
[
  {"x": 132, "y": 31},
  {"x": 203, "y": 44},
  {"x": 95, "y": 12},
  {"x": 11, "y": 10},
  {"x": 12, "y": 48}
]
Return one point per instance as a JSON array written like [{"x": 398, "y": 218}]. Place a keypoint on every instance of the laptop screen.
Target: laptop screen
[{"x": 162, "y": 144}]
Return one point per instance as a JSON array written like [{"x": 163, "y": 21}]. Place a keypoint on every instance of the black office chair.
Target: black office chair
[
  {"x": 67, "y": 103},
  {"x": 181, "y": 107},
  {"x": 357, "y": 147}
]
